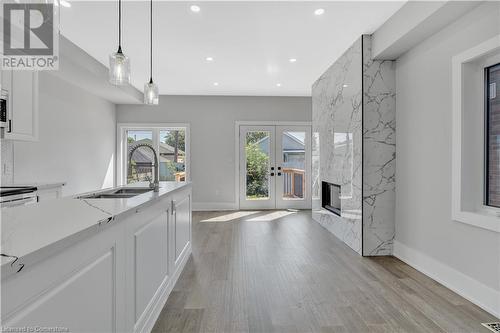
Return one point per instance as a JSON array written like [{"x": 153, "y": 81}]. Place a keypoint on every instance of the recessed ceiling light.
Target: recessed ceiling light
[
  {"x": 216, "y": 84},
  {"x": 209, "y": 59},
  {"x": 278, "y": 84},
  {"x": 345, "y": 85},
  {"x": 319, "y": 11},
  {"x": 292, "y": 60},
  {"x": 195, "y": 8},
  {"x": 65, "y": 3}
]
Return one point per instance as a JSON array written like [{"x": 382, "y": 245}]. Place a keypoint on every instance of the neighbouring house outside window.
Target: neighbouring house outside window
[{"x": 492, "y": 136}]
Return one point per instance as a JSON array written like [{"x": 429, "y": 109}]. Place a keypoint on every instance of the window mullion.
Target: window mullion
[{"x": 156, "y": 143}]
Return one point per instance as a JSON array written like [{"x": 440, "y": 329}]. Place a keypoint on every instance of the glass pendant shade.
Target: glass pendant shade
[
  {"x": 119, "y": 69},
  {"x": 151, "y": 96}
]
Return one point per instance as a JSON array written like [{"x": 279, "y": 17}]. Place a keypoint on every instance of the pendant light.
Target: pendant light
[
  {"x": 150, "y": 88},
  {"x": 119, "y": 63}
]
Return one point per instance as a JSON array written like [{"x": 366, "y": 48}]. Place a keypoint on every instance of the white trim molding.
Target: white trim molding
[
  {"x": 474, "y": 291},
  {"x": 462, "y": 209},
  {"x": 214, "y": 206}
]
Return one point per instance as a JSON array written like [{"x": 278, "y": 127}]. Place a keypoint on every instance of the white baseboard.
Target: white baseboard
[
  {"x": 214, "y": 206},
  {"x": 474, "y": 291}
]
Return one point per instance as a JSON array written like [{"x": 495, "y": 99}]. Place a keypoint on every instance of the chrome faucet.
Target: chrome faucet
[{"x": 155, "y": 184}]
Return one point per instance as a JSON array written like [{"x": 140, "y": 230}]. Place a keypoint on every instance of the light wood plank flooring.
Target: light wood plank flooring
[{"x": 279, "y": 271}]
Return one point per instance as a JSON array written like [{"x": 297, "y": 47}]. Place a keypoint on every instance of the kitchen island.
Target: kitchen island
[{"x": 94, "y": 264}]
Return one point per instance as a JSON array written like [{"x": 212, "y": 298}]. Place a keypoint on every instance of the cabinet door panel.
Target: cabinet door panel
[
  {"x": 82, "y": 303},
  {"x": 151, "y": 253},
  {"x": 23, "y": 111},
  {"x": 182, "y": 225},
  {"x": 6, "y": 80}
]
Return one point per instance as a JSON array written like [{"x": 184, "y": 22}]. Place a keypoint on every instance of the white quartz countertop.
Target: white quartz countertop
[{"x": 31, "y": 233}]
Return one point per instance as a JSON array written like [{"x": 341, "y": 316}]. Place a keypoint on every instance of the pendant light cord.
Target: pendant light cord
[
  {"x": 119, "y": 26},
  {"x": 151, "y": 42}
]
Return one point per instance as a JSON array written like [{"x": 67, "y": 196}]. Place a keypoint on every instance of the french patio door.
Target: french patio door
[{"x": 275, "y": 167}]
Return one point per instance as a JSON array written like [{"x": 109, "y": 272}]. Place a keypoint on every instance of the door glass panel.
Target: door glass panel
[
  {"x": 140, "y": 167},
  {"x": 257, "y": 150},
  {"x": 294, "y": 165},
  {"x": 172, "y": 154}
]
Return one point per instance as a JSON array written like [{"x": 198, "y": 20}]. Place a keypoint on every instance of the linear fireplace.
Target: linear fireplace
[{"x": 330, "y": 197}]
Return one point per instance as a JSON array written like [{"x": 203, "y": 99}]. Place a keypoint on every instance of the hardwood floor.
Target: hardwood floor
[{"x": 272, "y": 272}]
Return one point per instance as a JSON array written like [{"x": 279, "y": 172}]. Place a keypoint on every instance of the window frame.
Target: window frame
[
  {"x": 486, "y": 89},
  {"x": 464, "y": 208},
  {"x": 121, "y": 145}
]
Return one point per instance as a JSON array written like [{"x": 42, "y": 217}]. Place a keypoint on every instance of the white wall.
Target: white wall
[
  {"x": 212, "y": 121},
  {"x": 77, "y": 132},
  {"x": 462, "y": 257}
]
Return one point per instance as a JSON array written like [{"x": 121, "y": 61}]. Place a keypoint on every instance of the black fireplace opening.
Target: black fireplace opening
[{"x": 330, "y": 197}]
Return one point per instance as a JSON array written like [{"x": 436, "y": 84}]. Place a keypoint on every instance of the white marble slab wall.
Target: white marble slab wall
[
  {"x": 337, "y": 144},
  {"x": 379, "y": 153},
  {"x": 353, "y": 146}
]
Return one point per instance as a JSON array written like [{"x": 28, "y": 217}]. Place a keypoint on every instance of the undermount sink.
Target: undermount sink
[
  {"x": 121, "y": 193},
  {"x": 132, "y": 190}
]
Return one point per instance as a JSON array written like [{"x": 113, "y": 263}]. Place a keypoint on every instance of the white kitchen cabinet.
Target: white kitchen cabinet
[
  {"x": 115, "y": 280},
  {"x": 181, "y": 211},
  {"x": 22, "y": 114},
  {"x": 159, "y": 241},
  {"x": 147, "y": 248},
  {"x": 81, "y": 288}
]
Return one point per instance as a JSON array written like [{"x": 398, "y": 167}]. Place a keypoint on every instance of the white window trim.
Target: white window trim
[
  {"x": 121, "y": 146},
  {"x": 484, "y": 218}
]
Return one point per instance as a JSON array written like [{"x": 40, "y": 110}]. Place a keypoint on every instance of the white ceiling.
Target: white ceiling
[{"x": 251, "y": 42}]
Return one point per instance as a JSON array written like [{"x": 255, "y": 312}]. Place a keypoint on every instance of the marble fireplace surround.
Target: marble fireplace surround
[{"x": 354, "y": 145}]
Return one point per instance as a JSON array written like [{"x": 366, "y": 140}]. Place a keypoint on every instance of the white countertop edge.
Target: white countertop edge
[
  {"x": 7, "y": 269},
  {"x": 38, "y": 185}
]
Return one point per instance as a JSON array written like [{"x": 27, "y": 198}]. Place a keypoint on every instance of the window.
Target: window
[
  {"x": 475, "y": 152},
  {"x": 171, "y": 144},
  {"x": 257, "y": 154},
  {"x": 172, "y": 155},
  {"x": 492, "y": 136}
]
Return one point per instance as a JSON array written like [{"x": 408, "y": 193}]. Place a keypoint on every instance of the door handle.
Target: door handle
[
  {"x": 272, "y": 174},
  {"x": 279, "y": 173},
  {"x": 272, "y": 168},
  {"x": 279, "y": 168}
]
